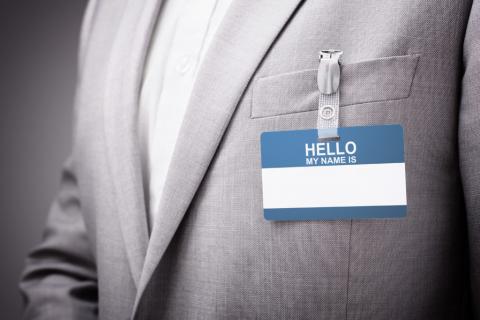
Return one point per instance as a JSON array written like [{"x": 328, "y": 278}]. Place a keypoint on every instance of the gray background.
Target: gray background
[{"x": 37, "y": 76}]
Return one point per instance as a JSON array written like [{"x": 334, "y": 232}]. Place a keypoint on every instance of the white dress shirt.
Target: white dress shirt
[{"x": 183, "y": 33}]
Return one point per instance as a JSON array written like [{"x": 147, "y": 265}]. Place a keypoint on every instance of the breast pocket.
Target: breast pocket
[{"x": 374, "y": 80}]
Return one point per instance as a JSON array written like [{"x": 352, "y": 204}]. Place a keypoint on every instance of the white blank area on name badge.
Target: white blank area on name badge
[{"x": 334, "y": 186}]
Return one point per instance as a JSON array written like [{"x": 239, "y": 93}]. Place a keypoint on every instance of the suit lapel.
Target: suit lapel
[
  {"x": 120, "y": 117},
  {"x": 246, "y": 33}
]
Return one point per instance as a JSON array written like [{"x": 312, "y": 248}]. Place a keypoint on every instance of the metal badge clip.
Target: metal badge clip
[
  {"x": 328, "y": 77},
  {"x": 328, "y": 80}
]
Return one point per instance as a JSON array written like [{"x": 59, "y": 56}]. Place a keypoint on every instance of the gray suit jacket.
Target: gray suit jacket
[{"x": 211, "y": 254}]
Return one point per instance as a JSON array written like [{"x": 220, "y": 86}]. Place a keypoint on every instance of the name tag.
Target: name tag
[{"x": 359, "y": 176}]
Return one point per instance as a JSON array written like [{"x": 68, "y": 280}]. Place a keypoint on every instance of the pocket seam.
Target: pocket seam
[{"x": 406, "y": 96}]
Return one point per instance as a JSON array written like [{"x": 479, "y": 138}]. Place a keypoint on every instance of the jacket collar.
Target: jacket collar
[
  {"x": 120, "y": 106},
  {"x": 243, "y": 38}
]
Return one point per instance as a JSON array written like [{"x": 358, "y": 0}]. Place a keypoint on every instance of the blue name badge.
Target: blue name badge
[{"x": 360, "y": 176}]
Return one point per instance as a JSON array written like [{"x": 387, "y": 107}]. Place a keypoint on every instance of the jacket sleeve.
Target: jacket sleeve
[
  {"x": 60, "y": 279},
  {"x": 469, "y": 146}
]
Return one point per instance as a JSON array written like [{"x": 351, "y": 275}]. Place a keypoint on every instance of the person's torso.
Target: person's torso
[{"x": 225, "y": 260}]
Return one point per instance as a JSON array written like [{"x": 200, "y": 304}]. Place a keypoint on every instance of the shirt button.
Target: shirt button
[
  {"x": 327, "y": 112},
  {"x": 184, "y": 64}
]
